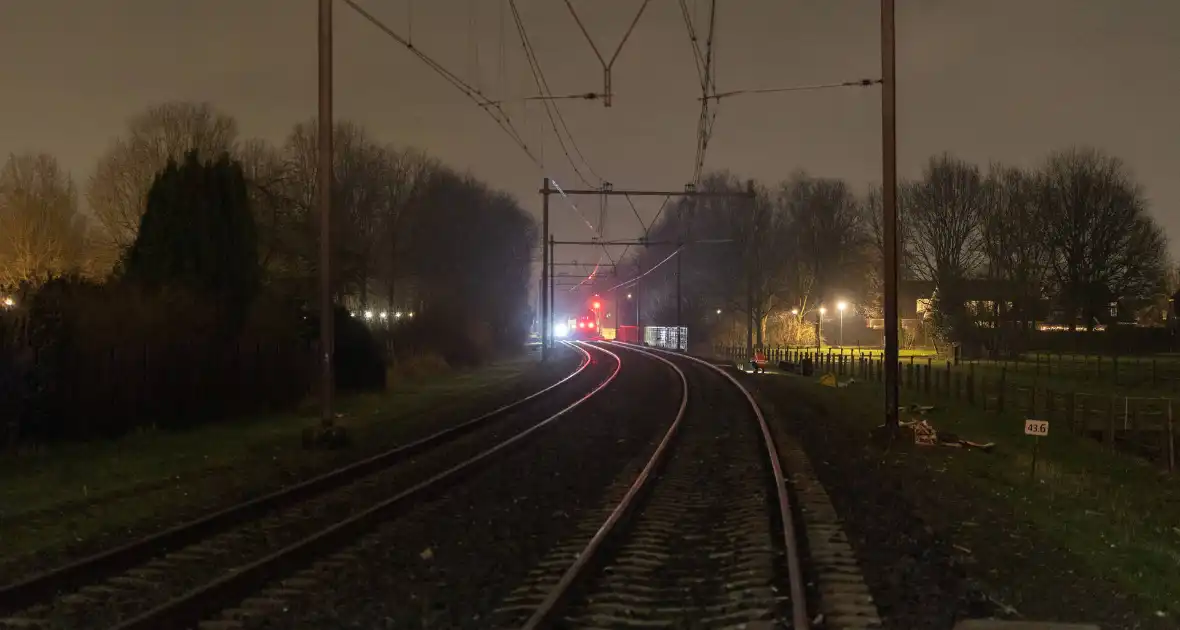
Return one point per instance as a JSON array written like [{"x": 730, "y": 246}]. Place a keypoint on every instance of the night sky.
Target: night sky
[{"x": 1006, "y": 80}]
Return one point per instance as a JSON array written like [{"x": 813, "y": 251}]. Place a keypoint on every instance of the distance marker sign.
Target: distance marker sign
[{"x": 1038, "y": 428}]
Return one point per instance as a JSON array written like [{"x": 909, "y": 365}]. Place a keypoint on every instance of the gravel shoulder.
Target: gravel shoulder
[
  {"x": 97, "y": 496},
  {"x": 945, "y": 534},
  {"x": 450, "y": 563}
]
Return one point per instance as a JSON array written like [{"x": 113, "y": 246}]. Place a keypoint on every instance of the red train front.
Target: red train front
[{"x": 586, "y": 327}]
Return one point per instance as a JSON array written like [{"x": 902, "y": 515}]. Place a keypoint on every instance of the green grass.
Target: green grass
[
  {"x": 1134, "y": 377},
  {"x": 1118, "y": 514},
  {"x": 156, "y": 474}
]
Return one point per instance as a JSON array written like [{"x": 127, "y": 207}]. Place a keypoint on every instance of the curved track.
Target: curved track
[
  {"x": 179, "y": 576},
  {"x": 703, "y": 538}
]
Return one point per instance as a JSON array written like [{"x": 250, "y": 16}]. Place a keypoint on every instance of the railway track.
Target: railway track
[
  {"x": 703, "y": 538},
  {"x": 189, "y": 573}
]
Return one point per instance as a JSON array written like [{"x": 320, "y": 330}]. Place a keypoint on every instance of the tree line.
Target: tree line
[
  {"x": 197, "y": 258},
  {"x": 989, "y": 251}
]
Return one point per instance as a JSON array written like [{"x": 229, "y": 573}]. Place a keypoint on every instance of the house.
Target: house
[{"x": 983, "y": 296}]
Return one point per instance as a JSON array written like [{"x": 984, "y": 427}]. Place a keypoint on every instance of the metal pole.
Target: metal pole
[
  {"x": 889, "y": 205},
  {"x": 544, "y": 271},
  {"x": 679, "y": 257},
  {"x": 327, "y": 326},
  {"x": 552, "y": 293},
  {"x": 750, "y": 275},
  {"x": 841, "y": 331},
  {"x": 638, "y": 326}
]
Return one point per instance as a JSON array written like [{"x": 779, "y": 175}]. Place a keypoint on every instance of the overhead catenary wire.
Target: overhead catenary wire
[
  {"x": 627, "y": 283},
  {"x": 495, "y": 111},
  {"x": 555, "y": 117},
  {"x": 708, "y": 115},
  {"x": 717, "y": 96},
  {"x": 551, "y": 108},
  {"x": 607, "y": 65},
  {"x": 492, "y": 108}
]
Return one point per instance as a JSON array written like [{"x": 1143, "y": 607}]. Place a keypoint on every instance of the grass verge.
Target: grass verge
[
  {"x": 1114, "y": 516},
  {"x": 85, "y": 494}
]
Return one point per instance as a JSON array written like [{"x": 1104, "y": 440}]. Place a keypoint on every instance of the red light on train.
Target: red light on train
[
  {"x": 581, "y": 324},
  {"x": 590, "y": 325}
]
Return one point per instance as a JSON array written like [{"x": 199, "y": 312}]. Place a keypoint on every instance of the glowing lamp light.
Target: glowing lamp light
[
  {"x": 9, "y": 302},
  {"x": 794, "y": 311},
  {"x": 597, "y": 305},
  {"x": 590, "y": 325},
  {"x": 561, "y": 330},
  {"x": 822, "y": 310},
  {"x": 368, "y": 314},
  {"x": 842, "y": 305}
]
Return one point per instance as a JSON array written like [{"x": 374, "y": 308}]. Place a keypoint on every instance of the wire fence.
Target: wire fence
[{"x": 1142, "y": 425}]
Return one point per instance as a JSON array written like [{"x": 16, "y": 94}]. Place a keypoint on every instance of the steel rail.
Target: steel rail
[
  {"x": 543, "y": 616},
  {"x": 790, "y": 539},
  {"x": 46, "y": 585},
  {"x": 187, "y": 609}
]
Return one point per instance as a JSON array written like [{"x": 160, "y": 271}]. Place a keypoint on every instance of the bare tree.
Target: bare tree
[
  {"x": 829, "y": 240},
  {"x": 41, "y": 232},
  {"x": 943, "y": 213},
  {"x": 268, "y": 179},
  {"x": 117, "y": 191},
  {"x": 943, "y": 216},
  {"x": 360, "y": 167},
  {"x": 1106, "y": 248},
  {"x": 1013, "y": 240},
  {"x": 410, "y": 171}
]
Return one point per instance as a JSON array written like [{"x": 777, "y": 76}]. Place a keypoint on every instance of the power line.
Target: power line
[
  {"x": 475, "y": 95},
  {"x": 551, "y": 109},
  {"x": 492, "y": 108},
  {"x": 717, "y": 96},
  {"x": 632, "y": 281},
  {"x": 709, "y": 84},
  {"x": 607, "y": 65},
  {"x": 697, "y": 57}
]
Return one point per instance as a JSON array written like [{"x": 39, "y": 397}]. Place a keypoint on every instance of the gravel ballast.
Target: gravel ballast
[{"x": 704, "y": 548}]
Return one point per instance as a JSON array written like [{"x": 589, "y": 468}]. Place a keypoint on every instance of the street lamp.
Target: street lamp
[
  {"x": 840, "y": 307},
  {"x": 794, "y": 311}
]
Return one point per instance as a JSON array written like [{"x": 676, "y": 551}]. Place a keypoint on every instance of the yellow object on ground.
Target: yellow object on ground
[
  {"x": 828, "y": 380},
  {"x": 608, "y": 334}
]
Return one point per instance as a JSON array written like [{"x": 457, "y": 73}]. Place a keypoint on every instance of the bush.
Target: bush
[
  {"x": 459, "y": 340},
  {"x": 110, "y": 359}
]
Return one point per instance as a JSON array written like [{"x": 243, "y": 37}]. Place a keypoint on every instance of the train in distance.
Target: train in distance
[{"x": 585, "y": 327}]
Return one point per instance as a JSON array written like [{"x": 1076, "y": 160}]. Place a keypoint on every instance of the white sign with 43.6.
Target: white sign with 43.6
[{"x": 1039, "y": 428}]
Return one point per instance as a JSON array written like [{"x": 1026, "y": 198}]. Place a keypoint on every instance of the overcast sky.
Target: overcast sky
[{"x": 1004, "y": 80}]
